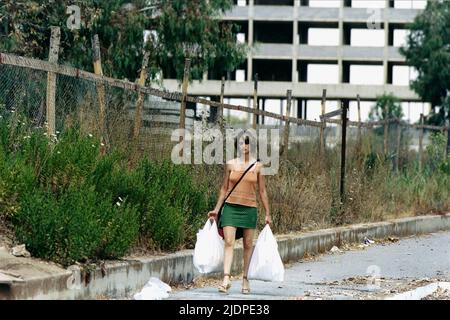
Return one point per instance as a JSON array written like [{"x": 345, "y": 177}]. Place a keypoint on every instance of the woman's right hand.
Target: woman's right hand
[{"x": 213, "y": 214}]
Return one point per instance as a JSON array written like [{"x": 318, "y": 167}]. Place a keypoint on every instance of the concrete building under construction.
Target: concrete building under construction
[{"x": 348, "y": 47}]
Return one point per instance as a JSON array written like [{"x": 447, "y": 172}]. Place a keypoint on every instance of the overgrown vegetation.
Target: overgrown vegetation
[{"x": 69, "y": 203}]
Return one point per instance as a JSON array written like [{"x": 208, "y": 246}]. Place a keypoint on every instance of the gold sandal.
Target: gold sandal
[
  {"x": 225, "y": 288},
  {"x": 245, "y": 290}
]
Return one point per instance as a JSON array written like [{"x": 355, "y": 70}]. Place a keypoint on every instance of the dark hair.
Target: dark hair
[{"x": 236, "y": 140}]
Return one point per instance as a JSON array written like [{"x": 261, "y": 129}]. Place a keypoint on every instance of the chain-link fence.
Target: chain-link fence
[
  {"x": 304, "y": 193},
  {"x": 107, "y": 108}
]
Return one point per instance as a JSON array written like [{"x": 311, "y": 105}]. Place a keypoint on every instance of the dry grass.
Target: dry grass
[{"x": 304, "y": 195}]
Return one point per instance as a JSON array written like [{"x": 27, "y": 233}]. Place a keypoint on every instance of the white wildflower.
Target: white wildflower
[{"x": 118, "y": 203}]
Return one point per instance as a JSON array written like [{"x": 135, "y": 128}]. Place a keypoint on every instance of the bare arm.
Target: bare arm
[
  {"x": 222, "y": 193},
  {"x": 263, "y": 195}
]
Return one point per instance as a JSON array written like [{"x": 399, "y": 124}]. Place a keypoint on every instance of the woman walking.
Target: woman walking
[{"x": 240, "y": 208}]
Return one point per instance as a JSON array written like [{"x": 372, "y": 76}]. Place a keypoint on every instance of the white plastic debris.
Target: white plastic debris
[
  {"x": 20, "y": 251},
  {"x": 155, "y": 289},
  {"x": 368, "y": 241},
  {"x": 335, "y": 250}
]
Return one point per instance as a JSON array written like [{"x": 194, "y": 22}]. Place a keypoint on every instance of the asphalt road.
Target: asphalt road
[{"x": 372, "y": 272}]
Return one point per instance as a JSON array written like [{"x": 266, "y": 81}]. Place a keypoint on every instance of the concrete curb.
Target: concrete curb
[
  {"x": 122, "y": 278},
  {"x": 421, "y": 292}
]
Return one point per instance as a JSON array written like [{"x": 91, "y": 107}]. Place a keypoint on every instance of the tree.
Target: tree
[
  {"x": 428, "y": 50},
  {"x": 27, "y": 24},
  {"x": 181, "y": 27},
  {"x": 192, "y": 29},
  {"x": 392, "y": 105}
]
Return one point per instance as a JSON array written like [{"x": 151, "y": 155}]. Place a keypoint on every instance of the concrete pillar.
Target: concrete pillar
[
  {"x": 295, "y": 42},
  {"x": 341, "y": 43},
  {"x": 386, "y": 43},
  {"x": 250, "y": 40}
]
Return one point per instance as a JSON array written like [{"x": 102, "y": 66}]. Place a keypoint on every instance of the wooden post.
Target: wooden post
[
  {"x": 322, "y": 129},
  {"x": 343, "y": 150},
  {"x": 51, "y": 81},
  {"x": 97, "y": 61},
  {"x": 220, "y": 111},
  {"x": 421, "y": 142},
  {"x": 141, "y": 97},
  {"x": 287, "y": 125},
  {"x": 187, "y": 66},
  {"x": 386, "y": 130},
  {"x": 399, "y": 135},
  {"x": 255, "y": 101}
]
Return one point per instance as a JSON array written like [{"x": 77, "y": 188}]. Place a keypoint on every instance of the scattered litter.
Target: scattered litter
[
  {"x": 393, "y": 239},
  {"x": 367, "y": 241},
  {"x": 20, "y": 251},
  {"x": 335, "y": 250},
  {"x": 155, "y": 289}
]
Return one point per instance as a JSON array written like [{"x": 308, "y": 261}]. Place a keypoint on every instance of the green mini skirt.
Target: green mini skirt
[{"x": 239, "y": 216}]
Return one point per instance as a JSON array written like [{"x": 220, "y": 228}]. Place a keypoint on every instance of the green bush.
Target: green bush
[
  {"x": 70, "y": 162},
  {"x": 169, "y": 202},
  {"x": 69, "y": 203},
  {"x": 16, "y": 178},
  {"x": 77, "y": 226}
]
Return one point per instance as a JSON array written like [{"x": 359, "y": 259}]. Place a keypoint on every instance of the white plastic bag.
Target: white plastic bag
[
  {"x": 209, "y": 249},
  {"x": 266, "y": 263},
  {"x": 155, "y": 289}
]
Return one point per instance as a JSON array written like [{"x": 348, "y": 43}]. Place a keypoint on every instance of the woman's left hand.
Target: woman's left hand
[{"x": 268, "y": 219}]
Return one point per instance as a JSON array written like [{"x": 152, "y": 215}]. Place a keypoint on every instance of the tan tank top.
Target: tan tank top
[{"x": 245, "y": 192}]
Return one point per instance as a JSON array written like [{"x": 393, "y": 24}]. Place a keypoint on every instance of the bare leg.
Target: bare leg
[
  {"x": 229, "y": 237},
  {"x": 248, "y": 251}
]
